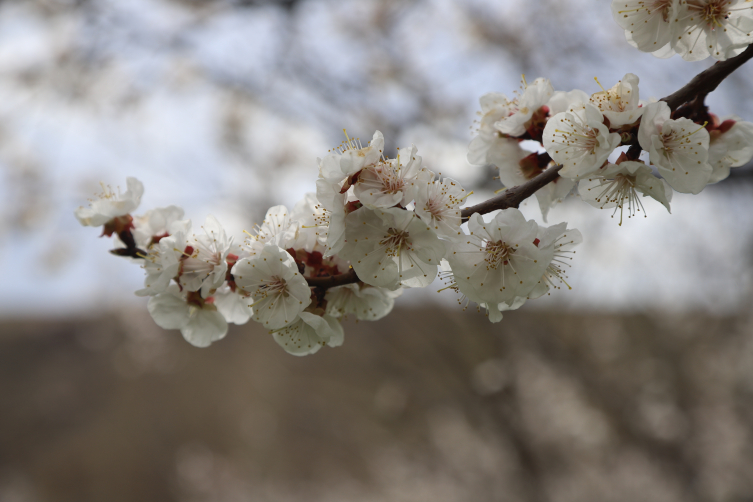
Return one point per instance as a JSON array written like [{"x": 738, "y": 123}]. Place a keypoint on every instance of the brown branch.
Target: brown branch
[
  {"x": 131, "y": 249},
  {"x": 348, "y": 277},
  {"x": 512, "y": 197},
  {"x": 708, "y": 80}
]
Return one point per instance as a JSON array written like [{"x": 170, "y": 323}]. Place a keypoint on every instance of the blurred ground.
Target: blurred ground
[{"x": 423, "y": 405}]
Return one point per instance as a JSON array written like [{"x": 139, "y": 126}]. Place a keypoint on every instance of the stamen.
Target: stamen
[
  {"x": 468, "y": 195},
  {"x": 597, "y": 81}
]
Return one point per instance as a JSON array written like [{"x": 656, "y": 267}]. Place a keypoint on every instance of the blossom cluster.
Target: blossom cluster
[
  {"x": 376, "y": 224},
  {"x": 694, "y": 29},
  {"x": 610, "y": 143}
]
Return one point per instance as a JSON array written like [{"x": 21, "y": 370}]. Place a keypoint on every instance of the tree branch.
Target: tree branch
[
  {"x": 701, "y": 85},
  {"x": 348, "y": 277},
  {"x": 708, "y": 80},
  {"x": 512, "y": 197}
]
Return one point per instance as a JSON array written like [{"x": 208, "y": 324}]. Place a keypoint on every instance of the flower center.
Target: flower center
[
  {"x": 388, "y": 178},
  {"x": 395, "y": 241},
  {"x": 620, "y": 190},
  {"x": 199, "y": 260},
  {"x": 435, "y": 206},
  {"x": 663, "y": 6},
  {"x": 580, "y": 136},
  {"x": 678, "y": 139},
  {"x": 497, "y": 253},
  {"x": 713, "y": 12},
  {"x": 274, "y": 286}
]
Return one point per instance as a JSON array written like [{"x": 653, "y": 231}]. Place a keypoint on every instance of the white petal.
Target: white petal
[
  {"x": 169, "y": 310},
  {"x": 233, "y": 307},
  {"x": 205, "y": 326}
]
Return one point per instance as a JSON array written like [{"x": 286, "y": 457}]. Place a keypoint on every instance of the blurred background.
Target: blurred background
[{"x": 635, "y": 385}]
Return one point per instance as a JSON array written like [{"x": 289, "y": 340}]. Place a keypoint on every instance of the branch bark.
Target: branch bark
[
  {"x": 708, "y": 80},
  {"x": 512, "y": 197},
  {"x": 348, "y": 277}
]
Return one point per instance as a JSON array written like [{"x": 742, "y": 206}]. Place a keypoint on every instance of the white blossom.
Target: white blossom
[
  {"x": 505, "y": 153},
  {"x": 617, "y": 186},
  {"x": 356, "y": 157},
  {"x": 494, "y": 106},
  {"x": 109, "y": 204},
  {"x": 579, "y": 140},
  {"x": 310, "y": 215},
  {"x": 197, "y": 319},
  {"x": 232, "y": 304},
  {"x": 391, "y": 247},
  {"x": 438, "y": 205},
  {"x": 494, "y": 310},
  {"x": 512, "y": 162},
  {"x": 654, "y": 117},
  {"x": 278, "y": 291},
  {"x": 336, "y": 173},
  {"x": 329, "y": 169},
  {"x": 718, "y": 28},
  {"x": 330, "y": 215},
  {"x": 521, "y": 110},
  {"x": 557, "y": 242},
  {"x": 278, "y": 228},
  {"x": 349, "y": 158},
  {"x": 561, "y": 100},
  {"x": 204, "y": 265},
  {"x": 498, "y": 261},
  {"x": 648, "y": 24},
  {"x": 730, "y": 146},
  {"x": 678, "y": 148},
  {"x": 309, "y": 333},
  {"x": 620, "y": 104},
  {"x": 391, "y": 181},
  {"x": 163, "y": 259},
  {"x": 366, "y": 303},
  {"x": 154, "y": 224}
]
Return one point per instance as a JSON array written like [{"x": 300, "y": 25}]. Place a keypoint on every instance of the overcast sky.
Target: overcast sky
[{"x": 223, "y": 110}]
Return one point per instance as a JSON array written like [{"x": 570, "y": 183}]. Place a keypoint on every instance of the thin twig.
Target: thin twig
[{"x": 512, "y": 197}]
